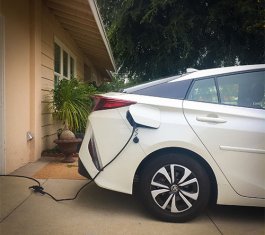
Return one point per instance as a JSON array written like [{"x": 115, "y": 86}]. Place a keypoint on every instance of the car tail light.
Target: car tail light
[{"x": 102, "y": 103}]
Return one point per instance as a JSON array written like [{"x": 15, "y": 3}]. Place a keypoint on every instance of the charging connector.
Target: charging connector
[{"x": 136, "y": 139}]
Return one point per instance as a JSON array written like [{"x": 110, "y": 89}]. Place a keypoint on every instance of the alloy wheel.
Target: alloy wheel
[{"x": 174, "y": 188}]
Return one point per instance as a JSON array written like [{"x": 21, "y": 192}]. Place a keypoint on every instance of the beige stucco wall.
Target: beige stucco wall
[
  {"x": 30, "y": 30},
  {"x": 17, "y": 82}
]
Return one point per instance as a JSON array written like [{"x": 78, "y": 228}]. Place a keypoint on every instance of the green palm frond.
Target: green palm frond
[{"x": 72, "y": 103}]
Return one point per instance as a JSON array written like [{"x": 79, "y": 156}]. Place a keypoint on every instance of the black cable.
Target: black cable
[
  {"x": 22, "y": 176},
  {"x": 70, "y": 199},
  {"x": 39, "y": 189}
]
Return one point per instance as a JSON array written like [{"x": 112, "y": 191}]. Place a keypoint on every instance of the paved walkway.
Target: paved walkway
[{"x": 98, "y": 211}]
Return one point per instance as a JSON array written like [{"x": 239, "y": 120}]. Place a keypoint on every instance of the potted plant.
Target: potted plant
[{"x": 71, "y": 105}]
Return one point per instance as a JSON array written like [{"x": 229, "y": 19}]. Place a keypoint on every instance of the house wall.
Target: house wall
[
  {"x": 51, "y": 29},
  {"x": 17, "y": 82},
  {"x": 29, "y": 32},
  {"x": 2, "y": 96}
]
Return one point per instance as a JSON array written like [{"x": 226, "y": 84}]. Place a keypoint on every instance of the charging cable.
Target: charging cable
[{"x": 39, "y": 189}]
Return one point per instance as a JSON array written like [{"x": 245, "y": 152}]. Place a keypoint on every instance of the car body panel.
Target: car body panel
[
  {"x": 192, "y": 131},
  {"x": 237, "y": 143},
  {"x": 221, "y": 71},
  {"x": 145, "y": 115},
  {"x": 150, "y": 140}
]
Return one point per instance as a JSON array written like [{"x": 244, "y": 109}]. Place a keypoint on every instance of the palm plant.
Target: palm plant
[{"x": 72, "y": 104}]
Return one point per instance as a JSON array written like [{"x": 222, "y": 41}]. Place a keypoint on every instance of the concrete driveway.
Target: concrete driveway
[{"x": 98, "y": 211}]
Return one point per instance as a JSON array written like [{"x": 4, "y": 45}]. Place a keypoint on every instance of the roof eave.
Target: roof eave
[{"x": 99, "y": 22}]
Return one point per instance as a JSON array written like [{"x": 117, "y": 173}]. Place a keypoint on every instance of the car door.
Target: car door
[{"x": 227, "y": 114}]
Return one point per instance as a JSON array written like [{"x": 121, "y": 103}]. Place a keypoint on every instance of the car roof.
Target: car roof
[{"x": 220, "y": 71}]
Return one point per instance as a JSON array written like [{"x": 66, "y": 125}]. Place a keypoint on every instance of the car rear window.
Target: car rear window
[{"x": 171, "y": 90}]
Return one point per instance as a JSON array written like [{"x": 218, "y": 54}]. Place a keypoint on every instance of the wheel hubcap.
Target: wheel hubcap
[{"x": 174, "y": 188}]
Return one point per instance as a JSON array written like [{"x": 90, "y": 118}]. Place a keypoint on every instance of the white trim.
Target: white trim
[
  {"x": 240, "y": 149},
  {"x": 2, "y": 97},
  {"x": 96, "y": 14},
  {"x": 69, "y": 52}
]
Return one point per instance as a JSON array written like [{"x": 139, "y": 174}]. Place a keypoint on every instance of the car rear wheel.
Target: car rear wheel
[{"x": 174, "y": 187}]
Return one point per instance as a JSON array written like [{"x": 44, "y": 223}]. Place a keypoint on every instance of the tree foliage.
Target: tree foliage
[
  {"x": 117, "y": 84},
  {"x": 155, "y": 38}
]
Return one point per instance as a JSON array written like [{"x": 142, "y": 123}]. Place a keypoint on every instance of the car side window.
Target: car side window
[
  {"x": 171, "y": 90},
  {"x": 244, "y": 90},
  {"x": 204, "y": 90}
]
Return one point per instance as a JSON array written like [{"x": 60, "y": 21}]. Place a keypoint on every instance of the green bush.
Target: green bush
[{"x": 72, "y": 103}]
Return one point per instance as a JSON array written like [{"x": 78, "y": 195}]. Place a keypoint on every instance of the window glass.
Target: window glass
[
  {"x": 171, "y": 90},
  {"x": 245, "y": 90},
  {"x": 57, "y": 58},
  {"x": 56, "y": 80},
  {"x": 228, "y": 89},
  {"x": 204, "y": 90},
  {"x": 72, "y": 67},
  {"x": 65, "y": 64}
]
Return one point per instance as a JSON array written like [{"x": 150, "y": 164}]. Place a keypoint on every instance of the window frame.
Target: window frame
[
  {"x": 70, "y": 55},
  {"x": 215, "y": 77}
]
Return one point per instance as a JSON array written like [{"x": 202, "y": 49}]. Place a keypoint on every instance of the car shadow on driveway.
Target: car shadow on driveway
[
  {"x": 102, "y": 200},
  {"x": 238, "y": 219},
  {"x": 227, "y": 219},
  {"x": 100, "y": 211}
]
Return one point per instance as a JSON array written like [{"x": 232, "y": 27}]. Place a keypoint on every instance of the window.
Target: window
[
  {"x": 228, "y": 89},
  {"x": 245, "y": 90},
  {"x": 64, "y": 62},
  {"x": 72, "y": 67},
  {"x": 171, "y": 90},
  {"x": 57, "y": 58},
  {"x": 204, "y": 90}
]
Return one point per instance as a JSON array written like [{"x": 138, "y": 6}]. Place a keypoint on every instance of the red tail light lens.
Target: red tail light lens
[{"x": 102, "y": 103}]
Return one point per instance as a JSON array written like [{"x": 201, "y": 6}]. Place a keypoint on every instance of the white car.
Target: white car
[{"x": 182, "y": 142}]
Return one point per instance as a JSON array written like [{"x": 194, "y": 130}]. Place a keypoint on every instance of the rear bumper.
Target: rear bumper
[
  {"x": 110, "y": 132},
  {"x": 82, "y": 170}
]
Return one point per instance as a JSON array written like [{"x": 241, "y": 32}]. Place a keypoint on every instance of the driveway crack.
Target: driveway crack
[
  {"x": 214, "y": 223},
  {"x": 3, "y": 219}
]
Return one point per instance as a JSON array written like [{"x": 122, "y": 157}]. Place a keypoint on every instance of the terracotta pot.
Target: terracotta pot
[{"x": 68, "y": 148}]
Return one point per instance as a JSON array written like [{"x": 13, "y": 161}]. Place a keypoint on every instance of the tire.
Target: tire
[{"x": 174, "y": 187}]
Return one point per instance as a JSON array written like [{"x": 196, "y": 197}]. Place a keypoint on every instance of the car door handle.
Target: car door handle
[{"x": 210, "y": 119}]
